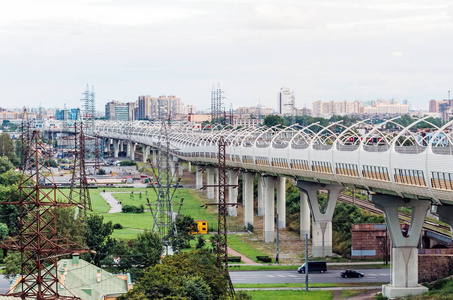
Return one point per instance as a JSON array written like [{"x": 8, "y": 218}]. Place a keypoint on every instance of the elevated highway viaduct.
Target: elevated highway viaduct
[{"x": 399, "y": 166}]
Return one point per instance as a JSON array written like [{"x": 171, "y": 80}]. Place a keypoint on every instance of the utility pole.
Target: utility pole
[
  {"x": 306, "y": 262},
  {"x": 276, "y": 258}
]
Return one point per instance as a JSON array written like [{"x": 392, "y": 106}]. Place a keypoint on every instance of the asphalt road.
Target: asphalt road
[{"x": 331, "y": 276}]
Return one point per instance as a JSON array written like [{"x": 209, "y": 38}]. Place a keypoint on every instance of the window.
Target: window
[
  {"x": 412, "y": 177},
  {"x": 375, "y": 172},
  {"x": 299, "y": 164},
  {"x": 443, "y": 181},
  {"x": 347, "y": 170},
  {"x": 321, "y": 167}
]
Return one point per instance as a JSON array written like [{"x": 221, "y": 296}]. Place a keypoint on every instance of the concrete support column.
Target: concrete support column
[
  {"x": 260, "y": 195},
  {"x": 129, "y": 150},
  {"x": 116, "y": 148},
  {"x": 304, "y": 216},
  {"x": 145, "y": 152},
  {"x": 198, "y": 177},
  {"x": 247, "y": 199},
  {"x": 233, "y": 179},
  {"x": 404, "y": 252},
  {"x": 322, "y": 220},
  {"x": 172, "y": 167},
  {"x": 121, "y": 146},
  {"x": 216, "y": 189},
  {"x": 269, "y": 209},
  {"x": 132, "y": 154},
  {"x": 154, "y": 157},
  {"x": 281, "y": 201},
  {"x": 106, "y": 145},
  {"x": 210, "y": 181},
  {"x": 189, "y": 166},
  {"x": 180, "y": 168}
]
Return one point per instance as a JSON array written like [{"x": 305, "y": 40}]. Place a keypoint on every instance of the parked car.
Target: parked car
[
  {"x": 351, "y": 273},
  {"x": 314, "y": 266},
  {"x": 177, "y": 185}
]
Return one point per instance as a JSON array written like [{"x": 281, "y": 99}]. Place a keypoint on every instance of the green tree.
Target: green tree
[
  {"x": 186, "y": 275},
  {"x": 3, "y": 231},
  {"x": 147, "y": 249},
  {"x": 98, "y": 237},
  {"x": 272, "y": 120},
  {"x": 5, "y": 164},
  {"x": 7, "y": 148},
  {"x": 185, "y": 225},
  {"x": 12, "y": 265},
  {"x": 70, "y": 228}
]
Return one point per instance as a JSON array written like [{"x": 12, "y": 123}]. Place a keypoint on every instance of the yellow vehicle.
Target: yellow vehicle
[{"x": 202, "y": 226}]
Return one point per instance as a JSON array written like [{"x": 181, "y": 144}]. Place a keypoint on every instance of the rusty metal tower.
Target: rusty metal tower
[
  {"x": 38, "y": 241},
  {"x": 79, "y": 191},
  {"x": 222, "y": 232}
]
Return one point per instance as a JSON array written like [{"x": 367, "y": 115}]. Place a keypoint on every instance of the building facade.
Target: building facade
[{"x": 286, "y": 102}]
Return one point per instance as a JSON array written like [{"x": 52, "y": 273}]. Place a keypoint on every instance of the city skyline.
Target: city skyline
[{"x": 342, "y": 50}]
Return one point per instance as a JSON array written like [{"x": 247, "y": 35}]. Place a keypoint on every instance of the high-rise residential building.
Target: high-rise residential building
[
  {"x": 144, "y": 108},
  {"x": 131, "y": 110},
  {"x": 327, "y": 109},
  {"x": 286, "y": 102},
  {"x": 438, "y": 106}
]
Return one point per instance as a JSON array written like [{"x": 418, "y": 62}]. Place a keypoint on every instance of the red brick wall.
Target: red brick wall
[
  {"x": 433, "y": 267},
  {"x": 367, "y": 237}
]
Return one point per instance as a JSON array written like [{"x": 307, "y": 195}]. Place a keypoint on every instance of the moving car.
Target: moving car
[
  {"x": 314, "y": 266},
  {"x": 351, "y": 273}
]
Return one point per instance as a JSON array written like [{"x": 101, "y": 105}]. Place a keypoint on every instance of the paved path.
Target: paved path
[
  {"x": 115, "y": 206},
  {"x": 244, "y": 258}
]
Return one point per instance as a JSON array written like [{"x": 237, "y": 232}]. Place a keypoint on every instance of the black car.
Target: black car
[{"x": 351, "y": 273}]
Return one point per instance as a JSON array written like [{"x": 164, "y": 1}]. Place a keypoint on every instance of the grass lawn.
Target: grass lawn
[
  {"x": 236, "y": 242},
  {"x": 345, "y": 294},
  {"x": 291, "y": 295},
  {"x": 302, "y": 285}
]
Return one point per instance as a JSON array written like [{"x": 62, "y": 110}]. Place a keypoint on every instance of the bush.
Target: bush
[
  {"x": 101, "y": 172},
  {"x": 117, "y": 226},
  {"x": 200, "y": 242},
  {"x": 128, "y": 163},
  {"x": 133, "y": 209}
]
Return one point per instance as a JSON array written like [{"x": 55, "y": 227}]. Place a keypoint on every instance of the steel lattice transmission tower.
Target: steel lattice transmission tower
[
  {"x": 222, "y": 232},
  {"x": 89, "y": 107},
  {"x": 38, "y": 241},
  {"x": 79, "y": 191},
  {"x": 163, "y": 208},
  {"x": 216, "y": 104}
]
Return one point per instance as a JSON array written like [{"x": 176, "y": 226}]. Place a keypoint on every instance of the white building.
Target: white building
[{"x": 286, "y": 102}]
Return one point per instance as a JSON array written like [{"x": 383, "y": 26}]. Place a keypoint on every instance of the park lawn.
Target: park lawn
[
  {"x": 291, "y": 295},
  {"x": 345, "y": 294},
  {"x": 236, "y": 242},
  {"x": 98, "y": 204}
]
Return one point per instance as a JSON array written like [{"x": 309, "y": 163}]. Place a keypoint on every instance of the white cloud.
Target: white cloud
[
  {"x": 269, "y": 16},
  {"x": 397, "y": 54}
]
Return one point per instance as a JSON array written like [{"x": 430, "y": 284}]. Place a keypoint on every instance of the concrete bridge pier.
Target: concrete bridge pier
[
  {"x": 247, "y": 198},
  {"x": 198, "y": 177},
  {"x": 131, "y": 150},
  {"x": 281, "y": 201},
  {"x": 154, "y": 158},
  {"x": 121, "y": 144},
  {"x": 145, "y": 153},
  {"x": 233, "y": 179},
  {"x": 172, "y": 166},
  {"x": 260, "y": 195},
  {"x": 304, "y": 216},
  {"x": 116, "y": 148},
  {"x": 404, "y": 248},
  {"x": 106, "y": 145},
  {"x": 210, "y": 181},
  {"x": 322, "y": 220},
  {"x": 269, "y": 208},
  {"x": 180, "y": 168},
  {"x": 189, "y": 166}
]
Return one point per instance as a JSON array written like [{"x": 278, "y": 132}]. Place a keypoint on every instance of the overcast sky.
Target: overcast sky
[{"x": 323, "y": 50}]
